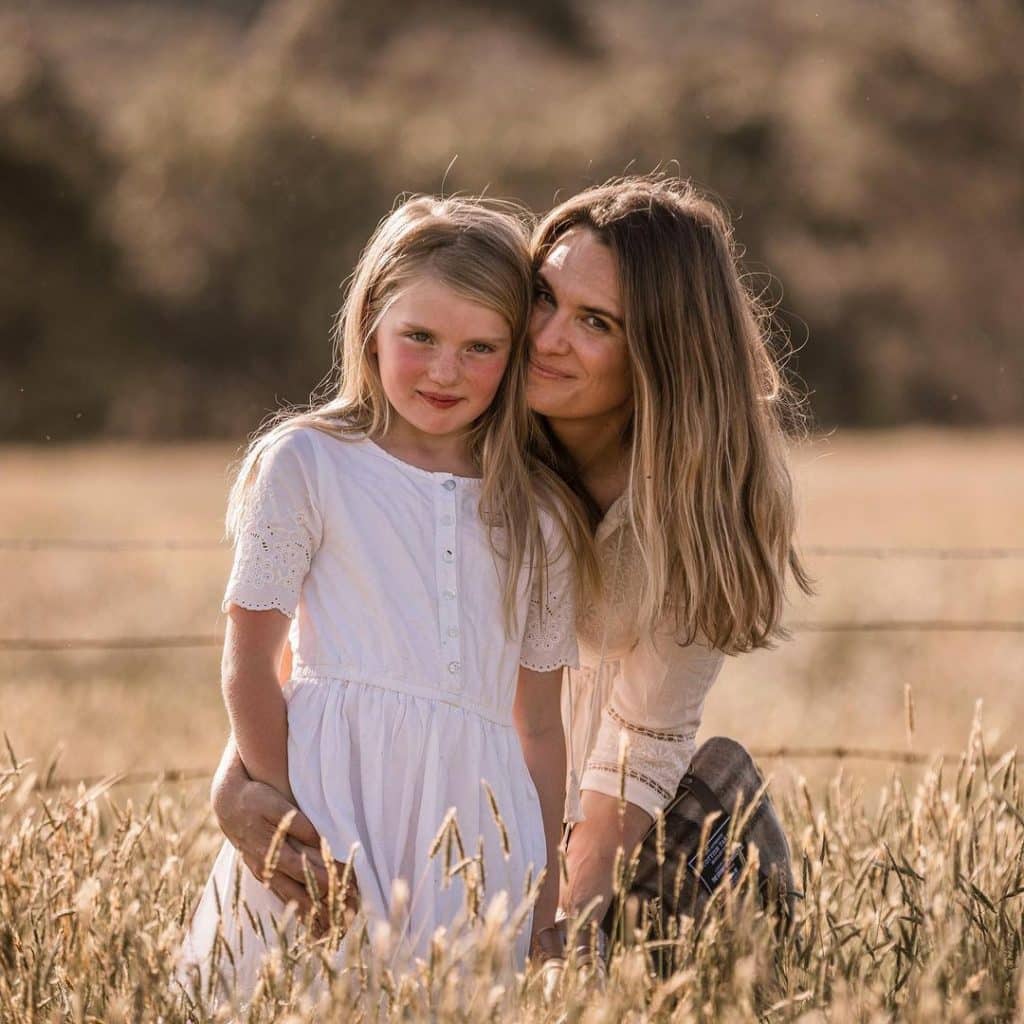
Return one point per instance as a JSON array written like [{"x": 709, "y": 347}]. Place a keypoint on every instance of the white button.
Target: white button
[
  {"x": 453, "y": 667},
  {"x": 449, "y": 485},
  {"x": 453, "y": 631},
  {"x": 449, "y": 555},
  {"x": 449, "y": 594},
  {"x": 447, "y": 520}
]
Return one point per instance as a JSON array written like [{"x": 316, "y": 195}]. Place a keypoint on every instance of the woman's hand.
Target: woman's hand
[
  {"x": 592, "y": 850},
  {"x": 249, "y": 814}
]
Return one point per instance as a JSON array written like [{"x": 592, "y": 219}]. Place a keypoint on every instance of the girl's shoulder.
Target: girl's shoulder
[{"x": 307, "y": 444}]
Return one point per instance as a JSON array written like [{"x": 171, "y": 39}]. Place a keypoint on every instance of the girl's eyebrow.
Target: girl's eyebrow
[
  {"x": 542, "y": 281},
  {"x": 411, "y": 325}
]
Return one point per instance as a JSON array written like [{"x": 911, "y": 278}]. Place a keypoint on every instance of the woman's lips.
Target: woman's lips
[
  {"x": 439, "y": 401},
  {"x": 547, "y": 372}
]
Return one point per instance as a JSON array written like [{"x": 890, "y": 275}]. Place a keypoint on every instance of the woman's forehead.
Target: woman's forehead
[{"x": 581, "y": 263}]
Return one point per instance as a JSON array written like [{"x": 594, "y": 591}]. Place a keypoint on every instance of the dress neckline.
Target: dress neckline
[{"x": 430, "y": 474}]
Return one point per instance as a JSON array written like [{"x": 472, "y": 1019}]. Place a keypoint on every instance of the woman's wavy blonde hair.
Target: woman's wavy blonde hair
[
  {"x": 479, "y": 248},
  {"x": 710, "y": 498}
]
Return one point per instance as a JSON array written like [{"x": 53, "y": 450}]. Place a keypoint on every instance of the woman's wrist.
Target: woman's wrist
[{"x": 229, "y": 782}]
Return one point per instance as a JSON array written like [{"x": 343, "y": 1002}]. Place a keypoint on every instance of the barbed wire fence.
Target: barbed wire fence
[
  {"x": 200, "y": 544},
  {"x": 52, "y": 783}
]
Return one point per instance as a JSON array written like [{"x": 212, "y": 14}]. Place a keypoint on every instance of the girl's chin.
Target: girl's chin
[{"x": 436, "y": 423}]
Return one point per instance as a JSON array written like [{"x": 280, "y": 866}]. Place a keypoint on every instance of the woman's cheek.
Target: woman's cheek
[{"x": 608, "y": 370}]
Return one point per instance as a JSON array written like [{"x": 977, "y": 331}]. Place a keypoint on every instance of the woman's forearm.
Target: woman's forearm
[
  {"x": 259, "y": 724},
  {"x": 593, "y": 848}
]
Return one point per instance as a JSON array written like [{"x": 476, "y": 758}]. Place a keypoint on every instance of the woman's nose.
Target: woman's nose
[{"x": 549, "y": 335}]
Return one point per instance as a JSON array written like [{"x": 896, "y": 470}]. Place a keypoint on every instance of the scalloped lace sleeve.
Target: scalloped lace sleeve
[
  {"x": 656, "y": 759},
  {"x": 281, "y": 533},
  {"x": 550, "y": 638}
]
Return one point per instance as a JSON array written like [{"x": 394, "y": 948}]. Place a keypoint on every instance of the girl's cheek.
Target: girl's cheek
[
  {"x": 487, "y": 377},
  {"x": 408, "y": 361}
]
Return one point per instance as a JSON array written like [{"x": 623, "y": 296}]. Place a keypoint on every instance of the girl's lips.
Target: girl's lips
[
  {"x": 547, "y": 373},
  {"x": 439, "y": 401}
]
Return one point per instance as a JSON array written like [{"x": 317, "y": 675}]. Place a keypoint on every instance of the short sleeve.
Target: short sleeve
[
  {"x": 280, "y": 531},
  {"x": 657, "y": 701},
  {"x": 549, "y": 641}
]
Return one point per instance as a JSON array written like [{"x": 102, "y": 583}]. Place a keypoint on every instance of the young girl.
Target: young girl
[{"x": 429, "y": 597}]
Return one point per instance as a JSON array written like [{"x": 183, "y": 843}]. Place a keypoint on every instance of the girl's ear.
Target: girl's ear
[{"x": 371, "y": 344}]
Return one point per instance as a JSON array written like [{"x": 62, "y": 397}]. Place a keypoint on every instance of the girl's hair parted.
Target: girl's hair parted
[
  {"x": 710, "y": 498},
  {"x": 479, "y": 248}
]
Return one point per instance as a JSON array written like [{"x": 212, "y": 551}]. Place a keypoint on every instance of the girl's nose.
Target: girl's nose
[{"x": 444, "y": 370}]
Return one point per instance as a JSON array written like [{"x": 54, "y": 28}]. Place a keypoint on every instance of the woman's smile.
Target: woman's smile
[{"x": 548, "y": 372}]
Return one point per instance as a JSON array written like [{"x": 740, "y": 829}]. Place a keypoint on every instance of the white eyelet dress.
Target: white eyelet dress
[{"x": 400, "y": 702}]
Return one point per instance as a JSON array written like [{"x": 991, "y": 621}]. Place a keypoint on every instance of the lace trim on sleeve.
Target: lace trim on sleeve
[
  {"x": 271, "y": 562},
  {"x": 657, "y": 759},
  {"x": 550, "y": 638}
]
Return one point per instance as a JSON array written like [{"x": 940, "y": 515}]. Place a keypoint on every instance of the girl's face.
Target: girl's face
[
  {"x": 441, "y": 358},
  {"x": 579, "y": 364}
]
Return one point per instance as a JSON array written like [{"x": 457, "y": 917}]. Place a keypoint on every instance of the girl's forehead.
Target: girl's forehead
[{"x": 438, "y": 304}]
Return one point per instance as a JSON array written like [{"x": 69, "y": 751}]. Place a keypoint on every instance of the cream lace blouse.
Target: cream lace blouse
[{"x": 645, "y": 691}]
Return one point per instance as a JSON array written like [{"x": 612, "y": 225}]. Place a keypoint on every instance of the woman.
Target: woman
[{"x": 660, "y": 403}]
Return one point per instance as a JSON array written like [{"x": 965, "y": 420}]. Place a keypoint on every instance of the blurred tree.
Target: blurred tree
[
  {"x": 185, "y": 189},
  {"x": 68, "y": 316}
]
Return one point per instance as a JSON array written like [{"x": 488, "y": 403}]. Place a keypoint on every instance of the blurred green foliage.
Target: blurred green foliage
[{"x": 185, "y": 186}]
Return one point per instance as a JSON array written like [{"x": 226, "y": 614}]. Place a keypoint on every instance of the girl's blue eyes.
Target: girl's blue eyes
[{"x": 422, "y": 337}]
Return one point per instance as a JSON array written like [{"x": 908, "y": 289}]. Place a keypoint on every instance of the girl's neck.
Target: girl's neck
[
  {"x": 596, "y": 448},
  {"x": 446, "y": 453}
]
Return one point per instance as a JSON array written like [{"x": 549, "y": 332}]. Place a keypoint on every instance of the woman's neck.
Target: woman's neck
[{"x": 595, "y": 447}]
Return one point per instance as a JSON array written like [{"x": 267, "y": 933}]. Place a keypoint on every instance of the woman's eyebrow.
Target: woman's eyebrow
[
  {"x": 598, "y": 311},
  {"x": 542, "y": 282}
]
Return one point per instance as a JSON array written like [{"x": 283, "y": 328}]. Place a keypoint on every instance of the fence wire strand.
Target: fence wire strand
[
  {"x": 187, "y": 641},
  {"x": 111, "y": 545}
]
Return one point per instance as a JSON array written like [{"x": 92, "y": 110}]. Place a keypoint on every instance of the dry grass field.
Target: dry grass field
[{"x": 913, "y": 899}]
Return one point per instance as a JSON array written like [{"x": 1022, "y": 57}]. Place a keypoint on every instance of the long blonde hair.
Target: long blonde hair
[
  {"x": 710, "y": 498},
  {"x": 479, "y": 249}
]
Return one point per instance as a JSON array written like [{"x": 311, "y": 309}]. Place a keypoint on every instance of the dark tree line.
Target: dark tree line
[{"x": 185, "y": 187}]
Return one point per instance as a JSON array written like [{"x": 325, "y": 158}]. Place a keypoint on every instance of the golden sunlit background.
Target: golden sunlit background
[{"x": 186, "y": 186}]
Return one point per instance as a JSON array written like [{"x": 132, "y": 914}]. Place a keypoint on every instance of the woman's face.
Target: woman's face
[{"x": 579, "y": 365}]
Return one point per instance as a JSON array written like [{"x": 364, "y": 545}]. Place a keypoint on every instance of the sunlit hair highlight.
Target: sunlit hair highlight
[
  {"x": 710, "y": 498},
  {"x": 478, "y": 248}
]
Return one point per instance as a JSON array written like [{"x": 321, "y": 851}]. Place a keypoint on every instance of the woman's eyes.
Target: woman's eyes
[
  {"x": 595, "y": 323},
  {"x": 481, "y": 346},
  {"x": 418, "y": 336}
]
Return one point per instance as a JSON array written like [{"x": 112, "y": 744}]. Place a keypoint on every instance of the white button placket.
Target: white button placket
[{"x": 447, "y": 574}]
